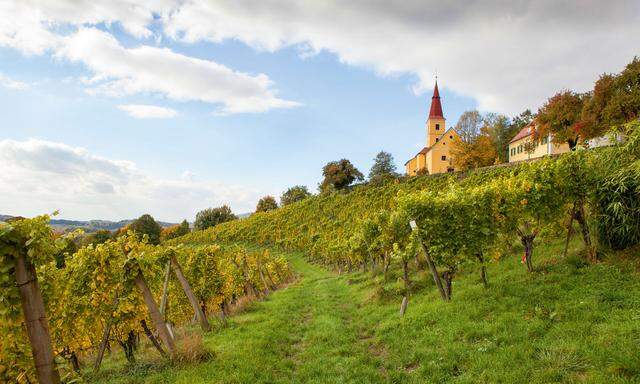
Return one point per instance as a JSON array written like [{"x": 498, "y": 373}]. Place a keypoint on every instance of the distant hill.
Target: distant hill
[{"x": 90, "y": 225}]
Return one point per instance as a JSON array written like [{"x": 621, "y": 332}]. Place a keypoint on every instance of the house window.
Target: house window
[
  {"x": 451, "y": 137},
  {"x": 437, "y": 139},
  {"x": 437, "y": 127},
  {"x": 443, "y": 157},
  {"x": 519, "y": 148}
]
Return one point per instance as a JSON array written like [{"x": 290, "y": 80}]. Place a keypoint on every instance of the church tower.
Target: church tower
[{"x": 436, "y": 122}]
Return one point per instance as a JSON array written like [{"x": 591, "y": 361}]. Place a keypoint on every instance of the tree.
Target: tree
[
  {"x": 146, "y": 225},
  {"x": 501, "y": 130},
  {"x": 480, "y": 152},
  {"x": 339, "y": 175},
  {"x": 468, "y": 126},
  {"x": 267, "y": 203},
  {"x": 592, "y": 115},
  {"x": 615, "y": 100},
  {"x": 294, "y": 194},
  {"x": 211, "y": 217},
  {"x": 624, "y": 104},
  {"x": 176, "y": 230},
  {"x": 97, "y": 237},
  {"x": 522, "y": 120},
  {"x": 561, "y": 116},
  {"x": 383, "y": 167}
]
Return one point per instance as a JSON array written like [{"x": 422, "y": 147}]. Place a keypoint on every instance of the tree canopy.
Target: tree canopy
[
  {"x": 561, "y": 116},
  {"x": 294, "y": 194},
  {"x": 339, "y": 175},
  {"x": 267, "y": 203},
  {"x": 211, "y": 217},
  {"x": 147, "y": 225},
  {"x": 383, "y": 167},
  {"x": 468, "y": 126},
  {"x": 176, "y": 230}
]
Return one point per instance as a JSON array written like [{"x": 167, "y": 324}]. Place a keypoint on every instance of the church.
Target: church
[{"x": 435, "y": 157}]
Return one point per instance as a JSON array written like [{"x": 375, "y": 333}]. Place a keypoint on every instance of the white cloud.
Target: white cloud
[
  {"x": 508, "y": 55},
  {"x": 33, "y": 27},
  {"x": 12, "y": 84},
  {"x": 39, "y": 176},
  {"x": 142, "y": 111}
]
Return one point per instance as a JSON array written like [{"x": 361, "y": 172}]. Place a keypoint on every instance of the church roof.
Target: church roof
[{"x": 436, "y": 107}]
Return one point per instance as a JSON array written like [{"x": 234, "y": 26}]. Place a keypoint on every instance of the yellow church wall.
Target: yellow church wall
[
  {"x": 411, "y": 166},
  {"x": 435, "y": 128},
  {"x": 442, "y": 149}
]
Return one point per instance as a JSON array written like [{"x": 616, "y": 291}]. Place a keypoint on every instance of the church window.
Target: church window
[
  {"x": 451, "y": 137},
  {"x": 437, "y": 139},
  {"x": 437, "y": 127},
  {"x": 444, "y": 157}
]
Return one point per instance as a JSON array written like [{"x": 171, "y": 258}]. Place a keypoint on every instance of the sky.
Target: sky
[{"x": 113, "y": 109}]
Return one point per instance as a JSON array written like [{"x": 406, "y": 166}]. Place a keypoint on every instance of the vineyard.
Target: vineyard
[
  {"x": 441, "y": 227},
  {"x": 103, "y": 296}
]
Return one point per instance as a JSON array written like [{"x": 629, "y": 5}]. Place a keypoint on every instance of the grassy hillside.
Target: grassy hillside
[{"x": 567, "y": 323}]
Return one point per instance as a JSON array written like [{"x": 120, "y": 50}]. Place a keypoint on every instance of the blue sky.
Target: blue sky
[{"x": 329, "y": 95}]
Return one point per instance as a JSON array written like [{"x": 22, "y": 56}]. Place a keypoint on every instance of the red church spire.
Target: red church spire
[{"x": 436, "y": 107}]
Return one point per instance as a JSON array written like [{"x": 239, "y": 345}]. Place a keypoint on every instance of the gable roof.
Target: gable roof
[
  {"x": 527, "y": 130},
  {"x": 426, "y": 150}
]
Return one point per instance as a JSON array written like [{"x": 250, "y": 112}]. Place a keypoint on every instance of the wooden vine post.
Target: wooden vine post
[
  {"x": 156, "y": 316},
  {"x": 36, "y": 321},
  {"x": 204, "y": 323},
  {"x": 432, "y": 266}
]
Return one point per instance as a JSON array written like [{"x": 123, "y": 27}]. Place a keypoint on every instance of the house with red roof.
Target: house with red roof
[{"x": 525, "y": 146}]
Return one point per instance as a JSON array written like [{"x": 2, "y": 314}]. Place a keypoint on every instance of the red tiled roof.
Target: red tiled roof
[
  {"x": 436, "y": 107},
  {"x": 524, "y": 132}
]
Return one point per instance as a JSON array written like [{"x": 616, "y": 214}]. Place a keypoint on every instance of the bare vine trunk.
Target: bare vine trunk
[
  {"x": 386, "y": 260},
  {"x": 483, "y": 270},
  {"x": 584, "y": 228},
  {"x": 447, "y": 276},
  {"x": 569, "y": 234},
  {"x": 527, "y": 243},
  {"x": 152, "y": 338},
  {"x": 36, "y": 322}
]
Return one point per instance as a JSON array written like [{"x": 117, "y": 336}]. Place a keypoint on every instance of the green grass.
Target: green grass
[{"x": 567, "y": 322}]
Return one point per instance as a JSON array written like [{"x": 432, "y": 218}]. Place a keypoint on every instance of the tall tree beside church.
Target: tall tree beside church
[
  {"x": 383, "y": 167},
  {"x": 469, "y": 125},
  {"x": 339, "y": 175},
  {"x": 561, "y": 116},
  {"x": 480, "y": 152}
]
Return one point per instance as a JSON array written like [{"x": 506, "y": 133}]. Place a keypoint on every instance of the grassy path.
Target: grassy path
[
  {"x": 302, "y": 334},
  {"x": 568, "y": 322}
]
